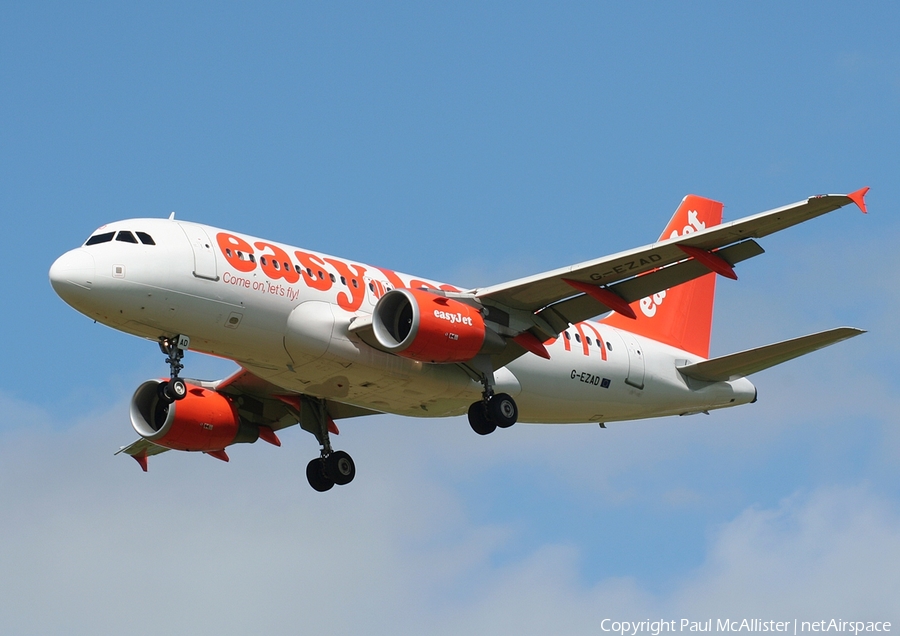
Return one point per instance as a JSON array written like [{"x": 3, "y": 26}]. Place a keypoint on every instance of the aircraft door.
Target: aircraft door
[
  {"x": 204, "y": 255},
  {"x": 635, "y": 353}
]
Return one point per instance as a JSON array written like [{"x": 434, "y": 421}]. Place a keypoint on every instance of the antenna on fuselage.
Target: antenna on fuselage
[{"x": 172, "y": 215}]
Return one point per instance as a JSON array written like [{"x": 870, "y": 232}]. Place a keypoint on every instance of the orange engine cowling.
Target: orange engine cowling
[
  {"x": 427, "y": 327},
  {"x": 203, "y": 421}
]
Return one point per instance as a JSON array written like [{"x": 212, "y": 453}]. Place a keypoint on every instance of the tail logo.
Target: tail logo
[
  {"x": 694, "y": 225},
  {"x": 651, "y": 303}
]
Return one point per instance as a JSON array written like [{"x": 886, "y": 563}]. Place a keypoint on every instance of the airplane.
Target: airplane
[{"x": 320, "y": 339}]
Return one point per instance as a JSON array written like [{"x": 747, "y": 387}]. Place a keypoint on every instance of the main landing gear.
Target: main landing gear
[
  {"x": 331, "y": 467},
  {"x": 495, "y": 410},
  {"x": 175, "y": 389}
]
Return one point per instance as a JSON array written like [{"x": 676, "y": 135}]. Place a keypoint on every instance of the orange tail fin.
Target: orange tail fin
[{"x": 680, "y": 316}]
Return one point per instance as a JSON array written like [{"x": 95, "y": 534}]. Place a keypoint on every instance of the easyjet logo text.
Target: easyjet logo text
[
  {"x": 453, "y": 318},
  {"x": 316, "y": 272}
]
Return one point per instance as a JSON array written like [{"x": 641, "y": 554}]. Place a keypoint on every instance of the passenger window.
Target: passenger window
[
  {"x": 146, "y": 239},
  {"x": 577, "y": 338},
  {"x": 566, "y": 334},
  {"x": 126, "y": 237},
  {"x": 355, "y": 284},
  {"x": 106, "y": 237},
  {"x": 331, "y": 276},
  {"x": 343, "y": 281},
  {"x": 608, "y": 346},
  {"x": 588, "y": 338}
]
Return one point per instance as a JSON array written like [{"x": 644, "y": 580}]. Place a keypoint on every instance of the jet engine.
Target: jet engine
[
  {"x": 202, "y": 421},
  {"x": 427, "y": 327}
]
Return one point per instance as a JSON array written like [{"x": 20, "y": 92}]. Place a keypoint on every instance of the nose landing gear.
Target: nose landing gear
[{"x": 175, "y": 389}]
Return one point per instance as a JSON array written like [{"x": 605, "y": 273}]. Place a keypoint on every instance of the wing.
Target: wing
[
  {"x": 261, "y": 403},
  {"x": 637, "y": 273}
]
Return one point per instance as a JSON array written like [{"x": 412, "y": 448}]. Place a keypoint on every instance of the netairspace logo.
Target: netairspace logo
[{"x": 655, "y": 628}]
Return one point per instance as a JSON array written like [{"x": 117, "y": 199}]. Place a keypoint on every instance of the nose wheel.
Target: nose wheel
[{"x": 175, "y": 389}]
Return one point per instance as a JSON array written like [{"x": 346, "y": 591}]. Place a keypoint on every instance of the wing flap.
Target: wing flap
[
  {"x": 744, "y": 363},
  {"x": 582, "y": 307},
  {"x": 140, "y": 447}
]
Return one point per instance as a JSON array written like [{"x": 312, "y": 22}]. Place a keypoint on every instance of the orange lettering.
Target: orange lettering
[
  {"x": 393, "y": 279},
  {"x": 277, "y": 264},
  {"x": 350, "y": 300},
  {"x": 313, "y": 270},
  {"x": 234, "y": 248}
]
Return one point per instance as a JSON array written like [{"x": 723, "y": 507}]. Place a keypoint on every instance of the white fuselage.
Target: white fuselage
[{"x": 289, "y": 323}]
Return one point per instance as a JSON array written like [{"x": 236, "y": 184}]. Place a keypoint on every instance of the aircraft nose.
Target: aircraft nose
[{"x": 72, "y": 274}]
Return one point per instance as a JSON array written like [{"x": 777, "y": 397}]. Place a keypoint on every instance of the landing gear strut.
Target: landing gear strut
[
  {"x": 331, "y": 467},
  {"x": 173, "y": 348},
  {"x": 493, "y": 411}
]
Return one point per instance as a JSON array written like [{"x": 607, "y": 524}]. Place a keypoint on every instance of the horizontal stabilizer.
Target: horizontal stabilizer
[{"x": 741, "y": 364}]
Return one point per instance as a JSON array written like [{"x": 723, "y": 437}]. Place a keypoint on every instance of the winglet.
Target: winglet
[{"x": 858, "y": 198}]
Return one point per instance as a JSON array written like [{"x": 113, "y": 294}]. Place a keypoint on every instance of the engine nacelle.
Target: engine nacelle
[
  {"x": 203, "y": 421},
  {"x": 427, "y": 327}
]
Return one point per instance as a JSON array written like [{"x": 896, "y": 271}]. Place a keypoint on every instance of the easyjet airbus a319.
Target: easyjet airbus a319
[{"x": 320, "y": 338}]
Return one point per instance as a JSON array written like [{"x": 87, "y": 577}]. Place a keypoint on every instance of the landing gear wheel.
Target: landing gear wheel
[
  {"x": 340, "y": 468},
  {"x": 502, "y": 410},
  {"x": 479, "y": 420},
  {"x": 175, "y": 389},
  {"x": 317, "y": 477}
]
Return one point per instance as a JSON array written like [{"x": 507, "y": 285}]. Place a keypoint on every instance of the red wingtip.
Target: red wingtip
[
  {"x": 266, "y": 434},
  {"x": 859, "y": 198},
  {"x": 219, "y": 454},
  {"x": 141, "y": 458}
]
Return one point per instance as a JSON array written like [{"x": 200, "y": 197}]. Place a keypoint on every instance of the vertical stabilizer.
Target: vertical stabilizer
[{"x": 680, "y": 316}]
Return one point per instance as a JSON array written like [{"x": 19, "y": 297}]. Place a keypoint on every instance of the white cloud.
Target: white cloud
[{"x": 93, "y": 545}]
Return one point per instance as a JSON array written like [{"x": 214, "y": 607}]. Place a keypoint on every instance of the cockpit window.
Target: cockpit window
[
  {"x": 126, "y": 237},
  {"x": 146, "y": 239},
  {"x": 106, "y": 237}
]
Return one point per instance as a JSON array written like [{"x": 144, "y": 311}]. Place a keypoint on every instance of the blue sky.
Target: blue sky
[{"x": 471, "y": 143}]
